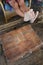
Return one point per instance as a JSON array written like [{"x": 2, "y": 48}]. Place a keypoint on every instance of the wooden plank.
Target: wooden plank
[
  {"x": 19, "y": 42},
  {"x": 10, "y": 24}
]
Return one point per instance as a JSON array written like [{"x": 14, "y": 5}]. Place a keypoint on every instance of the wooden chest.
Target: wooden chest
[{"x": 19, "y": 42}]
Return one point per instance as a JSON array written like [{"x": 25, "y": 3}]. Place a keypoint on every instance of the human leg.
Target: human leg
[
  {"x": 23, "y": 13},
  {"x": 14, "y": 4},
  {"x": 23, "y": 6}
]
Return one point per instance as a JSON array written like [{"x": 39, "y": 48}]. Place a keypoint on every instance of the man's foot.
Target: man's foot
[
  {"x": 30, "y": 16},
  {"x": 27, "y": 15}
]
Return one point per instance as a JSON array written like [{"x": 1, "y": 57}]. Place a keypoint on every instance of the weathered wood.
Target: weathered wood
[
  {"x": 9, "y": 25},
  {"x": 19, "y": 42}
]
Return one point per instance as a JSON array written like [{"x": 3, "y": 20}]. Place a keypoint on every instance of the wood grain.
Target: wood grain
[{"x": 19, "y": 42}]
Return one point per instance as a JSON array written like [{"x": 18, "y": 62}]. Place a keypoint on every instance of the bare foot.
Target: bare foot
[{"x": 28, "y": 15}]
